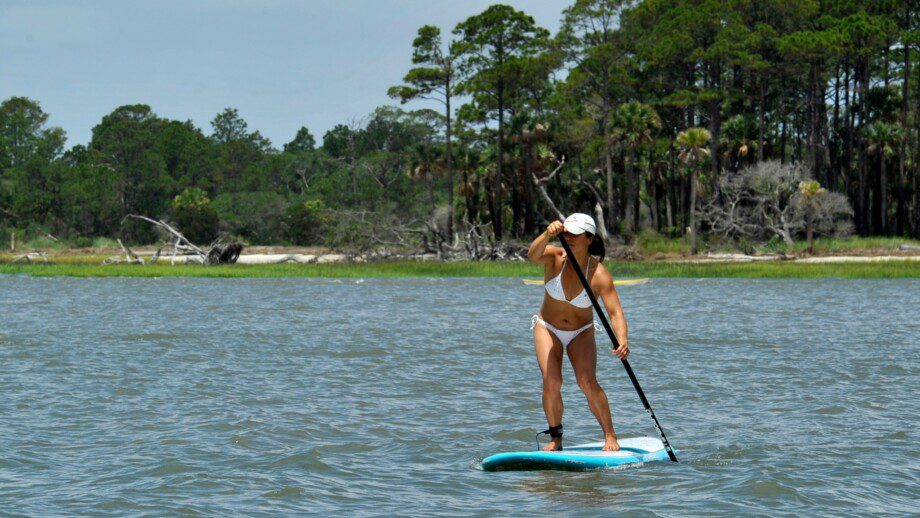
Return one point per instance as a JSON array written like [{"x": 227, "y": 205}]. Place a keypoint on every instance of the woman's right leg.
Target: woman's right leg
[{"x": 549, "y": 357}]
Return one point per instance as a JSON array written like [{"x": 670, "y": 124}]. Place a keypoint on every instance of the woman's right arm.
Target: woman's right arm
[{"x": 537, "y": 252}]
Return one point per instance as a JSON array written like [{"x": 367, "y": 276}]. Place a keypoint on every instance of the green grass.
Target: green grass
[
  {"x": 784, "y": 269},
  {"x": 83, "y": 260},
  {"x": 650, "y": 243},
  {"x": 104, "y": 242},
  {"x": 832, "y": 245},
  {"x": 773, "y": 269},
  {"x": 383, "y": 269}
]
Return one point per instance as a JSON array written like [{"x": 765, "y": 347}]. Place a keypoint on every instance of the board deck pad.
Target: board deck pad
[
  {"x": 619, "y": 282},
  {"x": 633, "y": 450}
]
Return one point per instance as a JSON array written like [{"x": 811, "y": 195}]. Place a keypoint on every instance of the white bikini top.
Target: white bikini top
[{"x": 554, "y": 289}]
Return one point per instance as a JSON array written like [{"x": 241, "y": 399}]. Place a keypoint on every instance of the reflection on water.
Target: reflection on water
[{"x": 383, "y": 395}]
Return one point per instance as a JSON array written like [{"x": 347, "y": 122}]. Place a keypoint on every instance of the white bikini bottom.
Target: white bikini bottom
[{"x": 565, "y": 336}]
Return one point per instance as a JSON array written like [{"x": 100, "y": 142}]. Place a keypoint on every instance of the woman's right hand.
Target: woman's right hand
[{"x": 555, "y": 228}]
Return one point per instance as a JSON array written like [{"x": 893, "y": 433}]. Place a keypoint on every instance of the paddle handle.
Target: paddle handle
[{"x": 616, "y": 345}]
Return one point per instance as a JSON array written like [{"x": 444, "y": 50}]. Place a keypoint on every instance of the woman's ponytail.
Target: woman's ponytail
[{"x": 597, "y": 248}]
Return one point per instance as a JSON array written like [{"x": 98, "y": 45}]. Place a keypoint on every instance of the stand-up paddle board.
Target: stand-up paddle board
[
  {"x": 576, "y": 458},
  {"x": 620, "y": 282}
]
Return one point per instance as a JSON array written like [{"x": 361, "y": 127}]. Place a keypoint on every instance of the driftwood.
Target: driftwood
[
  {"x": 909, "y": 248},
  {"x": 130, "y": 256},
  {"x": 29, "y": 257},
  {"x": 218, "y": 253},
  {"x": 470, "y": 243},
  {"x": 180, "y": 243},
  {"x": 224, "y": 253}
]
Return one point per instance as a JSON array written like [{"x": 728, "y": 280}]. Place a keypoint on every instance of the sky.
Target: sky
[{"x": 283, "y": 63}]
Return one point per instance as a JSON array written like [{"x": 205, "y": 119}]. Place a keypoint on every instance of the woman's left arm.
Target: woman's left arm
[{"x": 608, "y": 292}]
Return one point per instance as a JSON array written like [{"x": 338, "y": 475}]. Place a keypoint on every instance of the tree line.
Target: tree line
[{"x": 644, "y": 113}]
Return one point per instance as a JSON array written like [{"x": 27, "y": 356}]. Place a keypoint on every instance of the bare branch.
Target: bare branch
[{"x": 178, "y": 235}]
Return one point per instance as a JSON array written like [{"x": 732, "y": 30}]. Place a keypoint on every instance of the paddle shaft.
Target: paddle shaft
[{"x": 616, "y": 345}]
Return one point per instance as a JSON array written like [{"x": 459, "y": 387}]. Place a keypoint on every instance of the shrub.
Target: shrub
[
  {"x": 82, "y": 242},
  {"x": 307, "y": 222},
  {"x": 257, "y": 217},
  {"x": 104, "y": 242},
  {"x": 195, "y": 217}
]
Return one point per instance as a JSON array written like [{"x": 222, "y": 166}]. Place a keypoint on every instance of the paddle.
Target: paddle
[{"x": 616, "y": 345}]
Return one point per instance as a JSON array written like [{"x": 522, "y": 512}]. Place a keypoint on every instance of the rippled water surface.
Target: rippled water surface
[{"x": 376, "y": 396}]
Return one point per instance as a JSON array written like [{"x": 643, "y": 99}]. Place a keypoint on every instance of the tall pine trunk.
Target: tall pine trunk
[
  {"x": 847, "y": 168},
  {"x": 656, "y": 202},
  {"x": 902, "y": 173},
  {"x": 916, "y": 162},
  {"x": 637, "y": 188},
  {"x": 762, "y": 116},
  {"x": 468, "y": 195},
  {"x": 915, "y": 166},
  {"x": 608, "y": 165},
  {"x": 714, "y": 124},
  {"x": 824, "y": 142},
  {"x": 629, "y": 204},
  {"x": 862, "y": 200},
  {"x": 883, "y": 197},
  {"x": 497, "y": 203},
  {"x": 812, "y": 159},
  {"x": 528, "y": 190},
  {"x": 517, "y": 220},
  {"x": 693, "y": 174},
  {"x": 450, "y": 170},
  {"x": 671, "y": 206},
  {"x": 782, "y": 118},
  {"x": 835, "y": 155}
]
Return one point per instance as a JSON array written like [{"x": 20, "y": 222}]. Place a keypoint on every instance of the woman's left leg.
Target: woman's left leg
[{"x": 582, "y": 353}]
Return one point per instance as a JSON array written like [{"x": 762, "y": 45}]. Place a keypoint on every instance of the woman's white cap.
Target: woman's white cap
[{"x": 579, "y": 223}]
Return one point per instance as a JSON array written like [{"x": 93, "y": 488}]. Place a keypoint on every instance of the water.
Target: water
[{"x": 285, "y": 396}]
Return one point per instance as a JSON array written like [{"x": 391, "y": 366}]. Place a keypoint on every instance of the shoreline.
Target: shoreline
[{"x": 903, "y": 267}]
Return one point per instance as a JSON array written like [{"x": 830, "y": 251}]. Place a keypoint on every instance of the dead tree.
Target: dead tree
[
  {"x": 218, "y": 252},
  {"x": 130, "y": 256},
  {"x": 764, "y": 200},
  {"x": 29, "y": 257},
  {"x": 598, "y": 205},
  {"x": 539, "y": 184}
]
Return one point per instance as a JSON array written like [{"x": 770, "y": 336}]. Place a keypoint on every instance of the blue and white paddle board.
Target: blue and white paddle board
[{"x": 633, "y": 450}]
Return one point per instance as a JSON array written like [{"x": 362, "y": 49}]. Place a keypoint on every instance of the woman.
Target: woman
[{"x": 563, "y": 320}]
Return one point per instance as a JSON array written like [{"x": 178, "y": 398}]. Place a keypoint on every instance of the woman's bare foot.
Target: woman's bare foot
[
  {"x": 555, "y": 445},
  {"x": 610, "y": 443}
]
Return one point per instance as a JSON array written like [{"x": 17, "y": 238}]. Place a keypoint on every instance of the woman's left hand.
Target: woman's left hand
[{"x": 621, "y": 352}]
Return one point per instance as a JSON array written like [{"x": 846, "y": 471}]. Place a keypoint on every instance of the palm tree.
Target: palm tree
[
  {"x": 634, "y": 126},
  {"x": 425, "y": 162},
  {"x": 810, "y": 190},
  {"x": 694, "y": 144},
  {"x": 738, "y": 137},
  {"x": 883, "y": 138}
]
